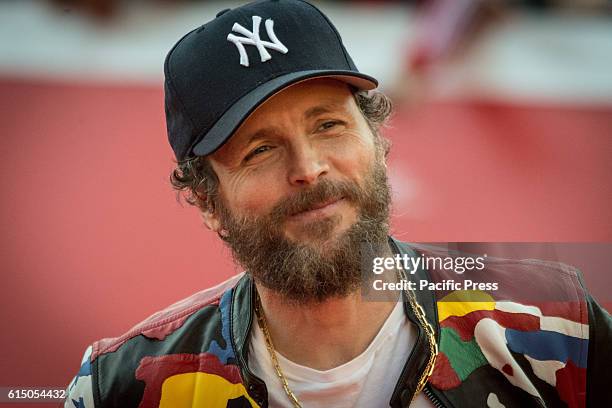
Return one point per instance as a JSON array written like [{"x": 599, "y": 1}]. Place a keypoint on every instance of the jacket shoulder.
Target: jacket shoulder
[
  {"x": 512, "y": 332},
  {"x": 166, "y": 321}
]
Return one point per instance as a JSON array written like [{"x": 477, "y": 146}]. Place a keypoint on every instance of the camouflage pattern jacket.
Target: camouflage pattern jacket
[{"x": 495, "y": 348}]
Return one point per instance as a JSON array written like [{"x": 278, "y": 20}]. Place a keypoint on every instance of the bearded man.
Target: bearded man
[{"x": 278, "y": 143}]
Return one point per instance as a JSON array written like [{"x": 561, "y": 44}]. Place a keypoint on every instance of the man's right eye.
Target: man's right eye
[{"x": 256, "y": 151}]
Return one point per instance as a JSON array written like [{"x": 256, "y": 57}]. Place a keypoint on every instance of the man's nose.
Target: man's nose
[{"x": 306, "y": 165}]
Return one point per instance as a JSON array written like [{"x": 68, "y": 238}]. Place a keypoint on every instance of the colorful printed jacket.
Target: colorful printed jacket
[{"x": 496, "y": 350}]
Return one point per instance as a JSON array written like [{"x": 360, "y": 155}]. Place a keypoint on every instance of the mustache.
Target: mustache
[{"x": 323, "y": 192}]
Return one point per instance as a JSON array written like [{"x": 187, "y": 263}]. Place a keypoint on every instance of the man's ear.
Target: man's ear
[
  {"x": 382, "y": 151},
  {"x": 211, "y": 219},
  {"x": 213, "y": 223}
]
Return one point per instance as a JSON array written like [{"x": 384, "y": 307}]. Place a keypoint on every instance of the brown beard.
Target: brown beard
[{"x": 303, "y": 273}]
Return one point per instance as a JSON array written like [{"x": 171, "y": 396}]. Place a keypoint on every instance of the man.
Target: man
[{"x": 277, "y": 142}]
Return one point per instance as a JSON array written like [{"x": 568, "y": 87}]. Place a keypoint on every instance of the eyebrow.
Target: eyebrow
[
  {"x": 321, "y": 109},
  {"x": 260, "y": 134}
]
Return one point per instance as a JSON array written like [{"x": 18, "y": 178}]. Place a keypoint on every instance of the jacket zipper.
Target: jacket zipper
[{"x": 437, "y": 403}]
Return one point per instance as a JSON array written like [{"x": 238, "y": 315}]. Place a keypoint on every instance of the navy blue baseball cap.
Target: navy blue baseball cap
[{"x": 219, "y": 73}]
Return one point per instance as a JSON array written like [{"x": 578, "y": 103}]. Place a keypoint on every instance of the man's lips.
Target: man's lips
[{"x": 318, "y": 210}]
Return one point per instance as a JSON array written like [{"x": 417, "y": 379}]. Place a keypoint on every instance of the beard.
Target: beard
[{"x": 323, "y": 268}]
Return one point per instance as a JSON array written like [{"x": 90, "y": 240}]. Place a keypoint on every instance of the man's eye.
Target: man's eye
[
  {"x": 256, "y": 151},
  {"x": 328, "y": 125}
]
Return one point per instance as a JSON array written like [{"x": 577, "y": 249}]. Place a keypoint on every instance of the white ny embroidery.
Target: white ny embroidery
[{"x": 252, "y": 38}]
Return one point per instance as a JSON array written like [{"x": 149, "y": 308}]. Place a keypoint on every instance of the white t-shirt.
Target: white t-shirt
[{"x": 366, "y": 381}]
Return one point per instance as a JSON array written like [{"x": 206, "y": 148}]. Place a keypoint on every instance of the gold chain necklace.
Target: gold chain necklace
[
  {"x": 416, "y": 308},
  {"x": 429, "y": 332},
  {"x": 261, "y": 318}
]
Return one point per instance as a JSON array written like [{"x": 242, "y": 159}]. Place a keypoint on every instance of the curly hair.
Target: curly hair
[{"x": 195, "y": 180}]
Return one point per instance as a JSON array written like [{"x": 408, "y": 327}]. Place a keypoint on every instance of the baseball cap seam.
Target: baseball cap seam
[
  {"x": 185, "y": 112},
  {"x": 336, "y": 33},
  {"x": 179, "y": 99}
]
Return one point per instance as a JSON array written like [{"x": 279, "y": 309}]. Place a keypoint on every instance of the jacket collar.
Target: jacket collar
[
  {"x": 417, "y": 361},
  {"x": 241, "y": 319}
]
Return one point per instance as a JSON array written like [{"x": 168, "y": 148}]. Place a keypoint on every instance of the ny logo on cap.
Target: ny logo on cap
[{"x": 252, "y": 38}]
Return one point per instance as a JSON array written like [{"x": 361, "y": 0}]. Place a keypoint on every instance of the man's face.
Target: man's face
[{"x": 302, "y": 184}]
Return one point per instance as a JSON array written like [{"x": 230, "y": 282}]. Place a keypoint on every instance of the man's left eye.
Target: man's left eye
[
  {"x": 257, "y": 151},
  {"x": 328, "y": 125}
]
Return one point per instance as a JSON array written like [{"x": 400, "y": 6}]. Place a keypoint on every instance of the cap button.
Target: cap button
[{"x": 222, "y": 12}]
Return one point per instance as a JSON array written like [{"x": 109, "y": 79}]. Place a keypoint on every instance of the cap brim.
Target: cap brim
[{"x": 231, "y": 120}]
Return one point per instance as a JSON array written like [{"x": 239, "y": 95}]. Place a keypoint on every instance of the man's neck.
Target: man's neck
[{"x": 323, "y": 335}]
